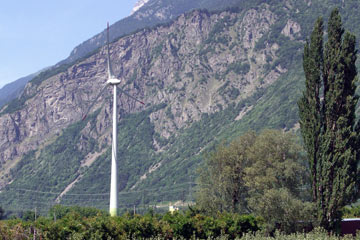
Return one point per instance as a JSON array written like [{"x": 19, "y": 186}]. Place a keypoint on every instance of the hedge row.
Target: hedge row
[{"x": 168, "y": 226}]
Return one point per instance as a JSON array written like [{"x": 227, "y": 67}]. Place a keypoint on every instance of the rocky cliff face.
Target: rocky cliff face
[
  {"x": 146, "y": 13},
  {"x": 154, "y": 12},
  {"x": 198, "y": 64}
]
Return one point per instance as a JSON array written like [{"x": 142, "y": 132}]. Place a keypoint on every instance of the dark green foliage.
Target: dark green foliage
[
  {"x": 339, "y": 139},
  {"x": 274, "y": 107},
  {"x": 2, "y": 213},
  {"x": 351, "y": 212},
  {"x": 49, "y": 73},
  {"x": 133, "y": 77},
  {"x": 217, "y": 29},
  {"x": 74, "y": 225},
  {"x": 309, "y": 104},
  {"x": 328, "y": 125},
  {"x": 239, "y": 68},
  {"x": 58, "y": 211},
  {"x": 28, "y": 216},
  {"x": 289, "y": 53},
  {"x": 233, "y": 93},
  {"x": 169, "y": 114},
  {"x": 263, "y": 174},
  {"x": 157, "y": 50},
  {"x": 221, "y": 185}
]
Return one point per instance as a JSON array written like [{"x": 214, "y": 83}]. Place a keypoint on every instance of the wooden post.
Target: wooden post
[{"x": 34, "y": 226}]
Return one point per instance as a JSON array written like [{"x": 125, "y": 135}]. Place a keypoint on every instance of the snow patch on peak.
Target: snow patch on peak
[{"x": 138, "y": 5}]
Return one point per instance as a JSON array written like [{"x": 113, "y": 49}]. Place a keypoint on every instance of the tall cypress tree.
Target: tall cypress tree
[
  {"x": 328, "y": 125},
  {"x": 309, "y": 104}
]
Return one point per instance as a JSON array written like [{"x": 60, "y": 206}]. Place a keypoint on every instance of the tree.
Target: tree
[
  {"x": 28, "y": 215},
  {"x": 277, "y": 180},
  {"x": 2, "y": 212},
  {"x": 221, "y": 178},
  {"x": 327, "y": 119},
  {"x": 254, "y": 170},
  {"x": 309, "y": 104},
  {"x": 277, "y": 161}
]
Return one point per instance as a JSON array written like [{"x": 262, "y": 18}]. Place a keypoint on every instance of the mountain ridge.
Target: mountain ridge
[
  {"x": 206, "y": 77},
  {"x": 159, "y": 12}
]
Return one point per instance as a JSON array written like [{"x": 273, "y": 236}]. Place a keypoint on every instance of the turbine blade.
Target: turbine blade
[
  {"x": 93, "y": 102},
  {"x": 134, "y": 98},
  {"x": 110, "y": 72}
]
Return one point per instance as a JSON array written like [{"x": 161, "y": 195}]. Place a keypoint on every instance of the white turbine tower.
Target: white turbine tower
[{"x": 112, "y": 81}]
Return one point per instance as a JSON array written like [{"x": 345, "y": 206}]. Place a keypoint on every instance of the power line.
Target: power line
[
  {"x": 44, "y": 200},
  {"x": 102, "y": 194},
  {"x": 58, "y": 193}
]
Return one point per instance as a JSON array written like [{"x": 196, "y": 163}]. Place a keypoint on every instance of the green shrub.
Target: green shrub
[
  {"x": 181, "y": 225},
  {"x": 351, "y": 212},
  {"x": 188, "y": 225},
  {"x": 59, "y": 211},
  {"x": 137, "y": 226}
]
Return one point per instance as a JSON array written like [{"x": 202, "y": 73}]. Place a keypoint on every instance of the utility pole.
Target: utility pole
[{"x": 34, "y": 226}]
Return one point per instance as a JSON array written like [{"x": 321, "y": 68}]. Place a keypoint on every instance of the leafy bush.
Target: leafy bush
[
  {"x": 351, "y": 212},
  {"x": 181, "y": 225},
  {"x": 59, "y": 211},
  {"x": 77, "y": 225},
  {"x": 188, "y": 225}
]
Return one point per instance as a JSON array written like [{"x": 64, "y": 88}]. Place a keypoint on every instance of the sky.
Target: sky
[{"x": 39, "y": 33}]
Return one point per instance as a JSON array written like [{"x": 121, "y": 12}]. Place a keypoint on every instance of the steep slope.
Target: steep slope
[
  {"x": 12, "y": 90},
  {"x": 145, "y": 14},
  {"x": 148, "y": 14},
  {"x": 205, "y": 77}
]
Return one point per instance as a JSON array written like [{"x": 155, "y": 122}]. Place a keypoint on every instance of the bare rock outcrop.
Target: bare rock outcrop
[{"x": 198, "y": 64}]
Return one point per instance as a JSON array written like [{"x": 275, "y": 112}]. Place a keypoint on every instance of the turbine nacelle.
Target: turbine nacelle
[{"x": 113, "y": 81}]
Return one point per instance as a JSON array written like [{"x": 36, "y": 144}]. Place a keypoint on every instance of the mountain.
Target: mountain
[
  {"x": 138, "y": 5},
  {"x": 206, "y": 77},
  {"x": 12, "y": 90},
  {"x": 146, "y": 13}
]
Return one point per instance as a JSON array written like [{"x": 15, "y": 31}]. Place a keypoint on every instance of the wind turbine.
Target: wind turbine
[{"x": 112, "y": 81}]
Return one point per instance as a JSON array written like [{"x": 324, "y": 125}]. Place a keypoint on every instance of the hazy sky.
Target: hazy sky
[{"x": 38, "y": 33}]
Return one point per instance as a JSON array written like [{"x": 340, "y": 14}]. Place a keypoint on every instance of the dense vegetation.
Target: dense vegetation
[
  {"x": 265, "y": 174},
  {"x": 327, "y": 119},
  {"x": 88, "y": 223},
  {"x": 58, "y": 163}
]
